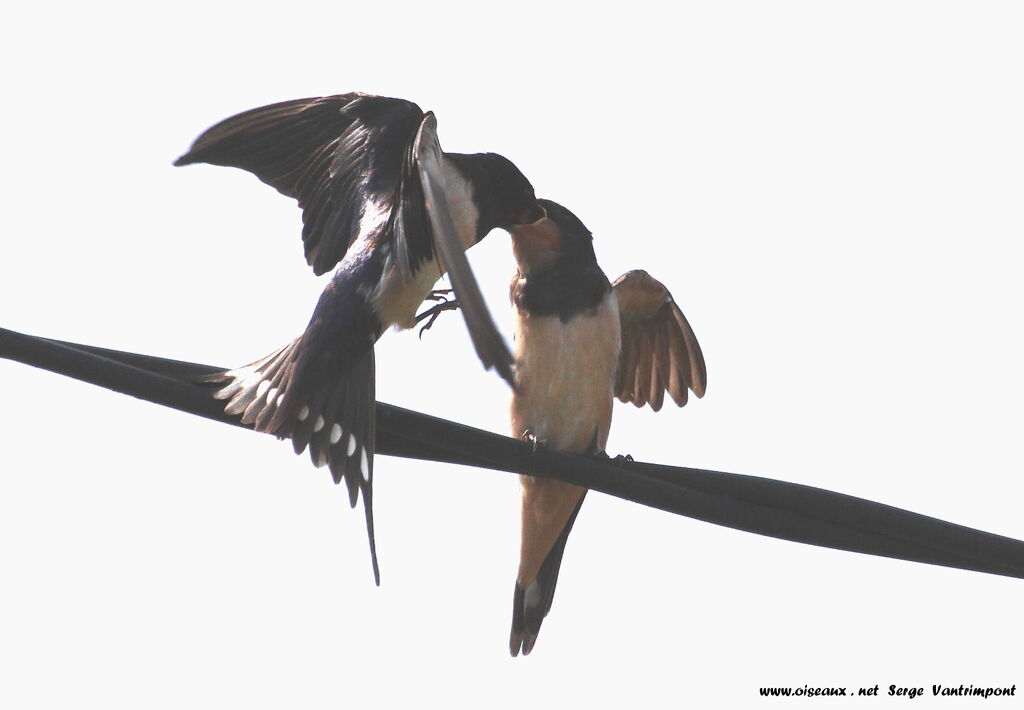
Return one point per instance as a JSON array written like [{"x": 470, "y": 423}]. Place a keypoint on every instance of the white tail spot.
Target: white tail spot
[
  {"x": 335, "y": 434},
  {"x": 262, "y": 387},
  {"x": 319, "y": 424},
  {"x": 303, "y": 413},
  {"x": 364, "y": 466},
  {"x": 351, "y": 444}
]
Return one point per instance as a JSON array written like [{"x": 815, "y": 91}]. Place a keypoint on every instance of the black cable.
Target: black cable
[{"x": 760, "y": 505}]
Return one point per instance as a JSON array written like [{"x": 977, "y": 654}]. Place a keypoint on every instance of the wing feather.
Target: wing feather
[
  {"x": 642, "y": 375},
  {"x": 659, "y": 350},
  {"x": 656, "y": 393},
  {"x": 627, "y": 364},
  {"x": 678, "y": 364},
  {"x": 490, "y": 346},
  {"x": 698, "y": 372},
  {"x": 342, "y": 157}
]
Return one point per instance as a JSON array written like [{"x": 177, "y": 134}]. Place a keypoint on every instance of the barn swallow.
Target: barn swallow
[
  {"x": 580, "y": 341},
  {"x": 372, "y": 181}
]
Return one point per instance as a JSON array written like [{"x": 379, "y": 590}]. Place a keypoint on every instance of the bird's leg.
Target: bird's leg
[
  {"x": 445, "y": 304},
  {"x": 530, "y": 438}
]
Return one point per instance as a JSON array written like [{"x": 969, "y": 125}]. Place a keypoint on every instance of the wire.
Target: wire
[{"x": 759, "y": 505}]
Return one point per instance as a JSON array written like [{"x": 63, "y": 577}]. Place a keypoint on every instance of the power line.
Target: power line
[{"x": 764, "y": 506}]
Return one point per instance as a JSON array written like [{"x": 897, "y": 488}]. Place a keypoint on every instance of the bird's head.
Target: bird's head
[
  {"x": 558, "y": 236},
  {"x": 504, "y": 196}
]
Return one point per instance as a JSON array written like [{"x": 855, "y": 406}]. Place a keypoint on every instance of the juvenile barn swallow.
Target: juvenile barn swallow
[
  {"x": 371, "y": 179},
  {"x": 579, "y": 342}
]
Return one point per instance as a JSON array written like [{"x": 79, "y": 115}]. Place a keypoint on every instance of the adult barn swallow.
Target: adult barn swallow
[
  {"x": 579, "y": 342},
  {"x": 371, "y": 179}
]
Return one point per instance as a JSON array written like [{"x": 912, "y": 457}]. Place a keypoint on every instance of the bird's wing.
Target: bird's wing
[
  {"x": 659, "y": 350},
  {"x": 490, "y": 346},
  {"x": 347, "y": 159}
]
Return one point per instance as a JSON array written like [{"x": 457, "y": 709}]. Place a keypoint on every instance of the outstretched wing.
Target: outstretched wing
[
  {"x": 490, "y": 346},
  {"x": 659, "y": 350},
  {"x": 347, "y": 159}
]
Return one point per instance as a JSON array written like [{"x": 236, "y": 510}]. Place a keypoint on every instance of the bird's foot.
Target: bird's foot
[
  {"x": 438, "y": 294},
  {"x": 618, "y": 460},
  {"x": 530, "y": 438},
  {"x": 445, "y": 304}
]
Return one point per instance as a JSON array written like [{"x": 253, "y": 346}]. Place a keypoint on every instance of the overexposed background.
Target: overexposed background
[{"x": 832, "y": 191}]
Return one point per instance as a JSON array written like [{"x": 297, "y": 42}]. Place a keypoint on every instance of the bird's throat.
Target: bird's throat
[{"x": 536, "y": 245}]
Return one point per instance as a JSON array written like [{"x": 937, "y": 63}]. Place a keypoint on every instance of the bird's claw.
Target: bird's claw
[
  {"x": 445, "y": 304},
  {"x": 438, "y": 294},
  {"x": 530, "y": 438}
]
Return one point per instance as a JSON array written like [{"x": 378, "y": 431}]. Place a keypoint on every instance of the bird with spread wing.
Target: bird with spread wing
[
  {"x": 580, "y": 341},
  {"x": 389, "y": 212}
]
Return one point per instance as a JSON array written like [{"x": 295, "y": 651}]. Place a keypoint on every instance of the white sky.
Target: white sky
[{"x": 831, "y": 191}]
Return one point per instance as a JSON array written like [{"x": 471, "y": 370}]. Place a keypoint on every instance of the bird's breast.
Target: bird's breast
[
  {"x": 398, "y": 297},
  {"x": 566, "y": 374}
]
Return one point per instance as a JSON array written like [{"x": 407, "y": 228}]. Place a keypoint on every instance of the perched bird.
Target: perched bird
[
  {"x": 579, "y": 342},
  {"x": 372, "y": 181}
]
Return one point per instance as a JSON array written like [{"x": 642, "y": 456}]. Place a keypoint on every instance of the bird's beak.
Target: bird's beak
[{"x": 533, "y": 213}]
